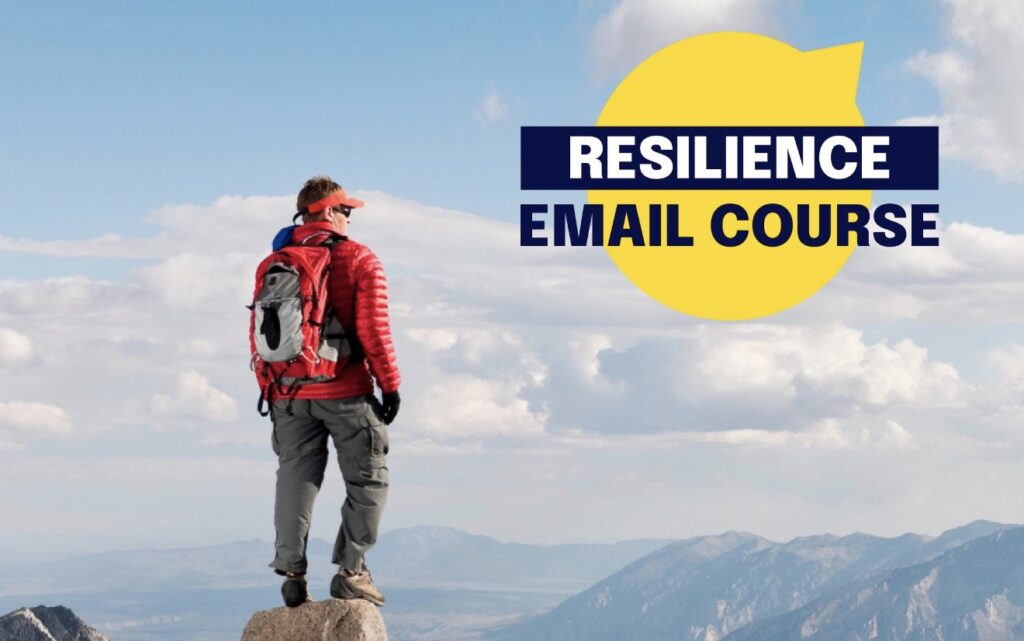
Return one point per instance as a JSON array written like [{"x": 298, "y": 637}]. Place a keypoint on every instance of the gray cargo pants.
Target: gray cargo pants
[{"x": 300, "y": 442}]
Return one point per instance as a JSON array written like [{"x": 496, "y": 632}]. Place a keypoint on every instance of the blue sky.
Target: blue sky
[
  {"x": 138, "y": 119},
  {"x": 124, "y": 107}
]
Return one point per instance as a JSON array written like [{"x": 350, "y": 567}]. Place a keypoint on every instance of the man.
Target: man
[{"x": 344, "y": 408}]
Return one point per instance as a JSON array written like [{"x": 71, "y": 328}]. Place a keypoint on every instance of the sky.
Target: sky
[{"x": 151, "y": 151}]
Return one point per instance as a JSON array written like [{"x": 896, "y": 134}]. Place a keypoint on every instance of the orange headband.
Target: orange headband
[{"x": 337, "y": 198}]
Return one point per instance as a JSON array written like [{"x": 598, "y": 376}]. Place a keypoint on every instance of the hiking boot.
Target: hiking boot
[
  {"x": 355, "y": 585},
  {"x": 295, "y": 591}
]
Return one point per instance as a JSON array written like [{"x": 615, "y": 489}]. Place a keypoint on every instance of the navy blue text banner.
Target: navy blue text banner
[{"x": 729, "y": 158}]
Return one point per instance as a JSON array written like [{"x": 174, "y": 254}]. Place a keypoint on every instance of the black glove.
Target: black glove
[{"x": 389, "y": 406}]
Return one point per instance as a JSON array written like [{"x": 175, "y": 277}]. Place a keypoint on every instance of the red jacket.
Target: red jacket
[{"x": 358, "y": 291}]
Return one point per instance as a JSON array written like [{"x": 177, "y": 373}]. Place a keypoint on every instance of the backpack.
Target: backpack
[{"x": 294, "y": 337}]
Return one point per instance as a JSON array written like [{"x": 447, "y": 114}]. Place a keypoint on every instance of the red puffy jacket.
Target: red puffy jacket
[{"x": 358, "y": 291}]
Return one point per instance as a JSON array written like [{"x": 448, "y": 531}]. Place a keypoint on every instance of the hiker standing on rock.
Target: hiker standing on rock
[{"x": 320, "y": 337}]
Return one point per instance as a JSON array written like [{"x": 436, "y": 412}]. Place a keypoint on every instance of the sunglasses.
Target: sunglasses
[{"x": 344, "y": 211}]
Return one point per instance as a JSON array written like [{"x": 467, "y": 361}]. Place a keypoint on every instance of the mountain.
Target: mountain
[
  {"x": 974, "y": 592},
  {"x": 704, "y": 588},
  {"x": 447, "y": 584},
  {"x": 46, "y": 624}
]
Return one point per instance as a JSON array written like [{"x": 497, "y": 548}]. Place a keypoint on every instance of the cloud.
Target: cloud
[
  {"x": 34, "y": 417},
  {"x": 634, "y": 29},
  {"x": 547, "y": 359},
  {"x": 105, "y": 246},
  {"x": 52, "y": 296},
  {"x": 492, "y": 108},
  {"x": 978, "y": 82},
  {"x": 476, "y": 378},
  {"x": 153, "y": 470},
  {"x": 723, "y": 378},
  {"x": 970, "y": 278},
  {"x": 197, "y": 281},
  {"x": 195, "y": 396},
  {"x": 825, "y": 434},
  {"x": 471, "y": 406},
  {"x": 1002, "y": 399},
  {"x": 831, "y": 362},
  {"x": 10, "y": 446},
  {"x": 15, "y": 348},
  {"x": 1008, "y": 364},
  {"x": 501, "y": 341}
]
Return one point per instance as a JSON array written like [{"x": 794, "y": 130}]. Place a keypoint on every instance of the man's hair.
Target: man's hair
[{"x": 316, "y": 188}]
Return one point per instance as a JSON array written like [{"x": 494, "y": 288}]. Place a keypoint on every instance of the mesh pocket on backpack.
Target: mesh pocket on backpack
[{"x": 278, "y": 329}]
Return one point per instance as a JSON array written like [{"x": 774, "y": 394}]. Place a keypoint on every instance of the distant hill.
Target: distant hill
[
  {"x": 46, "y": 624},
  {"x": 438, "y": 580},
  {"x": 438, "y": 556},
  {"x": 704, "y": 588},
  {"x": 409, "y": 557}
]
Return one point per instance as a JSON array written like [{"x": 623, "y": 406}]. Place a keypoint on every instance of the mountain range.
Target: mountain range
[
  {"x": 446, "y": 585},
  {"x": 974, "y": 592},
  {"x": 705, "y": 588}
]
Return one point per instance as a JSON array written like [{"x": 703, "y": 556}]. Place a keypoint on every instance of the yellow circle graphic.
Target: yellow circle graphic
[{"x": 733, "y": 79}]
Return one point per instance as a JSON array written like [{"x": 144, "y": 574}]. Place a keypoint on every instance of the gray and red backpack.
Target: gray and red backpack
[{"x": 294, "y": 337}]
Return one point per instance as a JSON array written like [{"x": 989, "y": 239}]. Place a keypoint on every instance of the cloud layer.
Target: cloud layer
[{"x": 545, "y": 359}]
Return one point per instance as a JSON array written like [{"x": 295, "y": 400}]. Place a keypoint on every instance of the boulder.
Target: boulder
[{"x": 331, "y": 620}]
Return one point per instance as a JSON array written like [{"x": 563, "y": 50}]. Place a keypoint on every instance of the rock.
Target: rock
[
  {"x": 331, "y": 620},
  {"x": 42, "y": 623}
]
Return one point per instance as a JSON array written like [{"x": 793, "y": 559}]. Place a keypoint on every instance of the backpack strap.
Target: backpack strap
[
  {"x": 332, "y": 239},
  {"x": 266, "y": 394},
  {"x": 264, "y": 399}
]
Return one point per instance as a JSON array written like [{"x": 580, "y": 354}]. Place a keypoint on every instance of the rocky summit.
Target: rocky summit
[
  {"x": 46, "y": 624},
  {"x": 332, "y": 620}
]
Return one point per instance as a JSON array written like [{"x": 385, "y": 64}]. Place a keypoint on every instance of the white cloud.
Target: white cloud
[
  {"x": 195, "y": 396},
  {"x": 53, "y": 296},
  {"x": 978, "y": 81},
  {"x": 434, "y": 339},
  {"x": 461, "y": 406},
  {"x": 830, "y": 433},
  {"x": 1002, "y": 398},
  {"x": 825, "y": 434},
  {"x": 143, "y": 469},
  {"x": 971, "y": 277},
  {"x": 634, "y": 29},
  {"x": 587, "y": 351},
  {"x": 15, "y": 348},
  {"x": 722, "y": 378},
  {"x": 895, "y": 436},
  {"x": 105, "y": 246},
  {"x": 492, "y": 108},
  {"x": 832, "y": 362},
  {"x": 34, "y": 417},
  {"x": 475, "y": 377},
  {"x": 198, "y": 281},
  {"x": 528, "y": 332}
]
